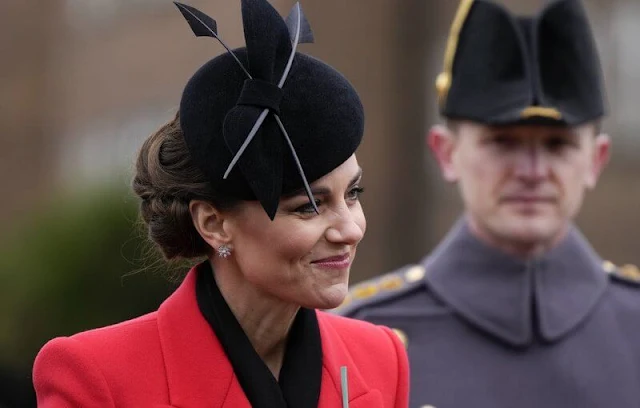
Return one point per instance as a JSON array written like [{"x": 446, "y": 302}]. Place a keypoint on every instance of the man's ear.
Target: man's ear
[
  {"x": 441, "y": 142},
  {"x": 600, "y": 159},
  {"x": 209, "y": 222}
]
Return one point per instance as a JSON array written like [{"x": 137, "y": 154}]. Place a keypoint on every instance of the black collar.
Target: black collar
[
  {"x": 301, "y": 373},
  {"x": 513, "y": 299}
]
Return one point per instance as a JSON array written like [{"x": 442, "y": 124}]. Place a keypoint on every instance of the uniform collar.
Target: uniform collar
[{"x": 517, "y": 300}]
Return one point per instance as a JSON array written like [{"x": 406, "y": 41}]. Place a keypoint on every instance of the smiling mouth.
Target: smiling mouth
[{"x": 334, "y": 262}]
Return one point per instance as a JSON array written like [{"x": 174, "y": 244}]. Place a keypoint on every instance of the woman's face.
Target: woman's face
[{"x": 302, "y": 257}]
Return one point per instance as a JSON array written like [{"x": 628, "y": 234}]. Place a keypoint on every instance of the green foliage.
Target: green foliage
[{"x": 80, "y": 263}]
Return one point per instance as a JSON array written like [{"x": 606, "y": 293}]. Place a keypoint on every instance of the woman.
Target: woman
[{"x": 257, "y": 173}]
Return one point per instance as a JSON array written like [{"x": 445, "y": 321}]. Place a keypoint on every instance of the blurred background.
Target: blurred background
[{"x": 84, "y": 82}]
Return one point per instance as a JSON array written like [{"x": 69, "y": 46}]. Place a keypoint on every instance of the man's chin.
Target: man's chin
[{"x": 531, "y": 230}]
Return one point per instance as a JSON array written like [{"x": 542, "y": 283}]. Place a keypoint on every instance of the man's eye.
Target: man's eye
[
  {"x": 505, "y": 141},
  {"x": 557, "y": 143}
]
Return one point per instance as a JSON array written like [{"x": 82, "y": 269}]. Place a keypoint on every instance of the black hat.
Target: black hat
[
  {"x": 503, "y": 69},
  {"x": 265, "y": 120}
]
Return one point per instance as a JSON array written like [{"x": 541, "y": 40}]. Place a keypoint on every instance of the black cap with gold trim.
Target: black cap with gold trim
[{"x": 504, "y": 69}]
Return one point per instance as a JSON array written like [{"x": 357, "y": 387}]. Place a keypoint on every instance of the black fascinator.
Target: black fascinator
[{"x": 265, "y": 120}]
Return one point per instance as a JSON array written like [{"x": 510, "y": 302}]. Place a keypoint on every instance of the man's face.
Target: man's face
[{"x": 521, "y": 184}]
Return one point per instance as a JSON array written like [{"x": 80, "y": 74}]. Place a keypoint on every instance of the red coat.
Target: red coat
[{"x": 171, "y": 358}]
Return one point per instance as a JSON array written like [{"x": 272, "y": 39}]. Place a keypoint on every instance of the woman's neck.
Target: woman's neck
[{"x": 265, "y": 319}]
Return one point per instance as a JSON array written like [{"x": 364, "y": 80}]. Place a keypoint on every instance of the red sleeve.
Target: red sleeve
[
  {"x": 402, "y": 388},
  {"x": 66, "y": 377}
]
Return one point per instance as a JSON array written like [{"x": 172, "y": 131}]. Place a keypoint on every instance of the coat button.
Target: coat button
[{"x": 402, "y": 336}]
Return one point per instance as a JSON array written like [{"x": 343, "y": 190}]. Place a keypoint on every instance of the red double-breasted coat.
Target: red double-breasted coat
[{"x": 172, "y": 358}]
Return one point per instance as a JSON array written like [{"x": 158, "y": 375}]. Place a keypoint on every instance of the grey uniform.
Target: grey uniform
[{"x": 487, "y": 330}]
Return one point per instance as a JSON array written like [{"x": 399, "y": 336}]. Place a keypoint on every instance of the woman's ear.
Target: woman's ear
[{"x": 209, "y": 222}]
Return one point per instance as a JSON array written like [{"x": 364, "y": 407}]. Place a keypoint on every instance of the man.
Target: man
[{"x": 514, "y": 308}]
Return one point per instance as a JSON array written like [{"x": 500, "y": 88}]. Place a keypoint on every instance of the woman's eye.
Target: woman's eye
[
  {"x": 354, "y": 193},
  {"x": 307, "y": 208}
]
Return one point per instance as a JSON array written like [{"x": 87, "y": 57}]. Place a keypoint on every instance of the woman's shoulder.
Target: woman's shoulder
[
  {"x": 124, "y": 333},
  {"x": 92, "y": 364},
  {"x": 106, "y": 346}
]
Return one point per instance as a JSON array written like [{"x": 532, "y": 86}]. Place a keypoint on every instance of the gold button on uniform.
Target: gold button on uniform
[
  {"x": 609, "y": 267},
  {"x": 402, "y": 336},
  {"x": 415, "y": 273}
]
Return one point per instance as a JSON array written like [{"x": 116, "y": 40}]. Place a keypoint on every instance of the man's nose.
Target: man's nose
[{"x": 531, "y": 162}]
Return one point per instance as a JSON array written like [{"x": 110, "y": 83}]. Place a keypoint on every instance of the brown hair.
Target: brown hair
[{"x": 166, "y": 181}]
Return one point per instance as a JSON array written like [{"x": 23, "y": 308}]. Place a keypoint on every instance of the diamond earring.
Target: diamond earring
[{"x": 224, "y": 251}]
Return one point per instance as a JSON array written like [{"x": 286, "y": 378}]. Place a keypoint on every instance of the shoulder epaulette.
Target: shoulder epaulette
[
  {"x": 382, "y": 288},
  {"x": 626, "y": 273}
]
